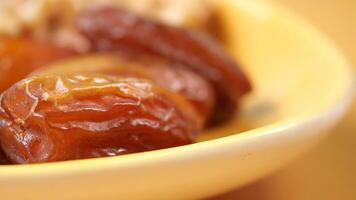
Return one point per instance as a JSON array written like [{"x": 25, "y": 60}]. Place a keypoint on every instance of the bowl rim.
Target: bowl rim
[{"x": 173, "y": 154}]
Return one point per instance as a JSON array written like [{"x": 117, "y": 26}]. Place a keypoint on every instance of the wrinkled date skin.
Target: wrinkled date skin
[
  {"x": 173, "y": 77},
  {"x": 110, "y": 29},
  {"x": 64, "y": 117},
  {"x": 176, "y": 79},
  {"x": 20, "y": 56}
]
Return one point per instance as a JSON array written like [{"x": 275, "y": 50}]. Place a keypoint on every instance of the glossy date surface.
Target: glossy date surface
[
  {"x": 64, "y": 117},
  {"x": 162, "y": 72}
]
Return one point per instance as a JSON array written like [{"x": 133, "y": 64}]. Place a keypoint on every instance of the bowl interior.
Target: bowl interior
[{"x": 293, "y": 73}]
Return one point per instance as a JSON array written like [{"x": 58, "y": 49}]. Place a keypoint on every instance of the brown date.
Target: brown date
[
  {"x": 20, "y": 56},
  {"x": 111, "y": 29},
  {"x": 179, "y": 80},
  {"x": 64, "y": 117}
]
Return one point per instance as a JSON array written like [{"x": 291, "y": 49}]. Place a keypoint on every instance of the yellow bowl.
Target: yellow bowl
[{"x": 303, "y": 85}]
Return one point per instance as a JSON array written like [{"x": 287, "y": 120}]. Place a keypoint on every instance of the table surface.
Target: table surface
[{"x": 329, "y": 170}]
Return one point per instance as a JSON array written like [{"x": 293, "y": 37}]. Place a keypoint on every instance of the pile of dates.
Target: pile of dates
[{"x": 140, "y": 86}]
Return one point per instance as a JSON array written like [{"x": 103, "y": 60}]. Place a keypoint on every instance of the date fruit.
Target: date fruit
[
  {"x": 86, "y": 115},
  {"x": 111, "y": 29}
]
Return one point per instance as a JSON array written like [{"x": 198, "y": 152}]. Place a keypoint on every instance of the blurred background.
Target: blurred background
[{"x": 329, "y": 170}]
